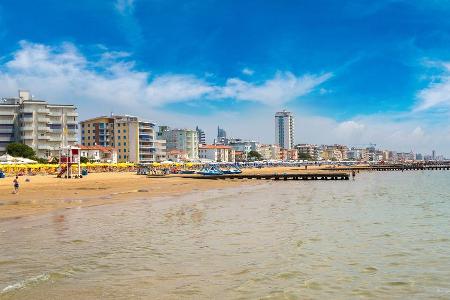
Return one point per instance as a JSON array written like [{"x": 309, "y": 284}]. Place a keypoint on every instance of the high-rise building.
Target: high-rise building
[
  {"x": 201, "y": 136},
  {"x": 42, "y": 126},
  {"x": 221, "y": 136},
  {"x": 133, "y": 138},
  {"x": 284, "y": 129},
  {"x": 185, "y": 140}
]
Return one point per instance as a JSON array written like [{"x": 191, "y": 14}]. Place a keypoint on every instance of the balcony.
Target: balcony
[
  {"x": 44, "y": 147},
  {"x": 7, "y": 113},
  {"x": 43, "y": 111},
  {"x": 6, "y": 130},
  {"x": 55, "y": 114},
  {"x": 43, "y": 137},
  {"x": 72, "y": 114},
  {"x": 6, "y": 122},
  {"x": 55, "y": 139},
  {"x": 27, "y": 128},
  {"x": 6, "y": 138},
  {"x": 71, "y": 122},
  {"x": 43, "y": 120},
  {"x": 72, "y": 139},
  {"x": 55, "y": 130},
  {"x": 42, "y": 128}
]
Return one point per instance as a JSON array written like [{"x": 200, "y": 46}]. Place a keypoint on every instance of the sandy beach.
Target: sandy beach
[{"x": 47, "y": 193}]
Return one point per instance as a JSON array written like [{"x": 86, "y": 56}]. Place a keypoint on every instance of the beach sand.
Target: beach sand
[{"x": 47, "y": 193}]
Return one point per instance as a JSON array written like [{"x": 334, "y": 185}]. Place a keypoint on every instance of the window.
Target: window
[
  {"x": 118, "y": 144},
  {"x": 118, "y": 131},
  {"x": 93, "y": 131},
  {"x": 124, "y": 137},
  {"x": 82, "y": 126},
  {"x": 120, "y": 150},
  {"x": 124, "y": 143},
  {"x": 120, "y": 157},
  {"x": 124, "y": 131},
  {"x": 89, "y": 125},
  {"x": 89, "y": 144},
  {"x": 89, "y": 137},
  {"x": 89, "y": 131},
  {"x": 82, "y": 131},
  {"x": 82, "y": 138},
  {"x": 118, "y": 137}
]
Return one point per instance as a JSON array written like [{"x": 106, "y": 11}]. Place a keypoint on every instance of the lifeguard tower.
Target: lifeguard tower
[{"x": 69, "y": 156}]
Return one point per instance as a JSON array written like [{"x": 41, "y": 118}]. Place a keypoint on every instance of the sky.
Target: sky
[{"x": 353, "y": 72}]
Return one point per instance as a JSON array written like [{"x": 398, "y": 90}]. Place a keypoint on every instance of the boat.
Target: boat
[
  {"x": 187, "y": 172},
  {"x": 210, "y": 170},
  {"x": 232, "y": 170}
]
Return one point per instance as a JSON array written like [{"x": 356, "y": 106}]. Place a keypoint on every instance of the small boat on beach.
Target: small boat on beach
[
  {"x": 210, "y": 170},
  {"x": 232, "y": 170},
  {"x": 187, "y": 172}
]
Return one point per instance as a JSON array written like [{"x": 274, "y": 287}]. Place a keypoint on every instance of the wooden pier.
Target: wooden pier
[
  {"x": 304, "y": 176},
  {"x": 392, "y": 168}
]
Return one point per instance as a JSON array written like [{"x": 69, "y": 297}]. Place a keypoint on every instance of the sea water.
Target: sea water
[{"x": 384, "y": 235}]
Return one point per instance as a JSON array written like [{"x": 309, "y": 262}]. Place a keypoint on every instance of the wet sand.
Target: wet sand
[{"x": 47, "y": 193}]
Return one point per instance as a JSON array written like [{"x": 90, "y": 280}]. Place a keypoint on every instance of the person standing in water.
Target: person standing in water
[{"x": 16, "y": 185}]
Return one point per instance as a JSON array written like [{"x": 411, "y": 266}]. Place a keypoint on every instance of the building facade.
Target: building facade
[
  {"x": 160, "y": 150},
  {"x": 217, "y": 153},
  {"x": 284, "y": 129},
  {"x": 99, "y": 153},
  {"x": 180, "y": 139},
  {"x": 42, "y": 126},
  {"x": 201, "y": 136},
  {"x": 133, "y": 138}
]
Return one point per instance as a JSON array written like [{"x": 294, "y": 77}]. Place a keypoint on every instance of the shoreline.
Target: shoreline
[{"x": 45, "y": 193}]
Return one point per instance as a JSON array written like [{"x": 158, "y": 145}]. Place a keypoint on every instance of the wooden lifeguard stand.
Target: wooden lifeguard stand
[{"x": 69, "y": 156}]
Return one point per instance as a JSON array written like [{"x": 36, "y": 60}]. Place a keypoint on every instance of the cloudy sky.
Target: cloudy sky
[{"x": 353, "y": 72}]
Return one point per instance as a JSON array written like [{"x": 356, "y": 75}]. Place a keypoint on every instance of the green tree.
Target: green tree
[
  {"x": 20, "y": 150},
  {"x": 304, "y": 156},
  {"x": 84, "y": 160},
  {"x": 254, "y": 155}
]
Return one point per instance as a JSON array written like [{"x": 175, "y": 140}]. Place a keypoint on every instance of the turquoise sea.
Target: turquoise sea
[{"x": 385, "y": 235}]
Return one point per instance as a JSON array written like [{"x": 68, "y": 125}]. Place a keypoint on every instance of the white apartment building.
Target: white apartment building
[
  {"x": 42, "y": 126},
  {"x": 181, "y": 139},
  {"x": 160, "y": 150},
  {"x": 269, "y": 152},
  {"x": 284, "y": 129},
  {"x": 217, "y": 153}
]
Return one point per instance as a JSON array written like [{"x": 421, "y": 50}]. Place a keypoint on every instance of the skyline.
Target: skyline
[{"x": 348, "y": 77}]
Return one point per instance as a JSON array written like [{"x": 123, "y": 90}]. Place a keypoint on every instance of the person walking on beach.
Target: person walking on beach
[
  {"x": 353, "y": 174},
  {"x": 16, "y": 185}
]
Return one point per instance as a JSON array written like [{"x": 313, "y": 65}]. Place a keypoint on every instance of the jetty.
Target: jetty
[
  {"x": 396, "y": 167},
  {"x": 283, "y": 176}
]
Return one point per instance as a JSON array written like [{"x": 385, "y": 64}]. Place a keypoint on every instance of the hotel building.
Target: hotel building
[
  {"x": 132, "y": 137},
  {"x": 217, "y": 153},
  {"x": 180, "y": 139},
  {"x": 42, "y": 126},
  {"x": 284, "y": 129}
]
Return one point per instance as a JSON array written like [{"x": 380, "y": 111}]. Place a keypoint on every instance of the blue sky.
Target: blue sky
[{"x": 353, "y": 72}]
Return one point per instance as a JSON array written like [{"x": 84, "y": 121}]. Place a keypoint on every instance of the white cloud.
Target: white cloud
[
  {"x": 437, "y": 94},
  {"x": 62, "y": 73},
  {"x": 247, "y": 71},
  {"x": 284, "y": 87},
  {"x": 125, "y": 7}
]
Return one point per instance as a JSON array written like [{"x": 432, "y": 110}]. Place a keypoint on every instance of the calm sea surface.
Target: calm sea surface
[{"x": 385, "y": 235}]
